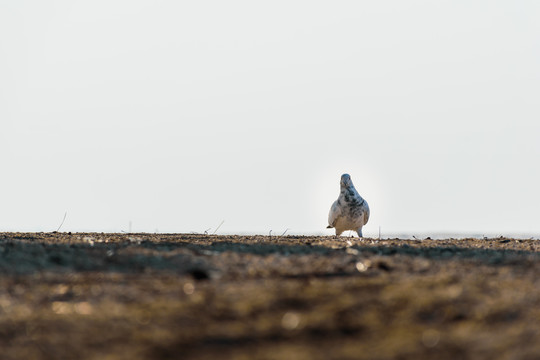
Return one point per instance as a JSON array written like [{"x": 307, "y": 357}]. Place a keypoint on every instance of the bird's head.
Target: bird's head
[{"x": 346, "y": 181}]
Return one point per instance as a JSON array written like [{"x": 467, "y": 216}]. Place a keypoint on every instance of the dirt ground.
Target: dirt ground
[{"x": 162, "y": 296}]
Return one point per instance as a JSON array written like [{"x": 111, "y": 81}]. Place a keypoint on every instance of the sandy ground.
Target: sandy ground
[{"x": 161, "y": 296}]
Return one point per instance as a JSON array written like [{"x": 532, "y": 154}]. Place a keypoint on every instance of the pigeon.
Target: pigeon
[{"x": 350, "y": 211}]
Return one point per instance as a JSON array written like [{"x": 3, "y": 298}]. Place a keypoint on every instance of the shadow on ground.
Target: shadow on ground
[{"x": 27, "y": 253}]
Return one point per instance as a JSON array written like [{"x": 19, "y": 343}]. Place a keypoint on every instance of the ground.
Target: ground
[{"x": 161, "y": 296}]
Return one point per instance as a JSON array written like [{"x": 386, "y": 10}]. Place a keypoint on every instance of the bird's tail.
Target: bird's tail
[{"x": 329, "y": 227}]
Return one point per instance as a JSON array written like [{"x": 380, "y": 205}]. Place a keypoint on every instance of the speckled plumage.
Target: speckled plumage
[{"x": 350, "y": 211}]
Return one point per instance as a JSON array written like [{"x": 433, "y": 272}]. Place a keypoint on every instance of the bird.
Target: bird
[{"x": 350, "y": 211}]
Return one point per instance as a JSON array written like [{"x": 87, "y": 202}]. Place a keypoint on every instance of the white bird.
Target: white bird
[{"x": 350, "y": 211}]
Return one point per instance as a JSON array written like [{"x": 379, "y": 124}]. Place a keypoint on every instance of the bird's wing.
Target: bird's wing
[
  {"x": 366, "y": 214},
  {"x": 334, "y": 213}
]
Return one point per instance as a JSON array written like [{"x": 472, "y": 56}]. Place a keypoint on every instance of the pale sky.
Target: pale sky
[{"x": 176, "y": 115}]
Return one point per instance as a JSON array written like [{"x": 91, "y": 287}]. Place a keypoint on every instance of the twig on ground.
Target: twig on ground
[
  {"x": 215, "y": 231},
  {"x": 62, "y": 223}
]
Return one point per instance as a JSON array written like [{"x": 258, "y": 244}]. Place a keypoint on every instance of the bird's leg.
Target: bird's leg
[
  {"x": 338, "y": 233},
  {"x": 359, "y": 232}
]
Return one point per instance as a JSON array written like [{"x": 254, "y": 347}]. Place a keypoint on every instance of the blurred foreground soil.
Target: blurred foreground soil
[{"x": 162, "y": 296}]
